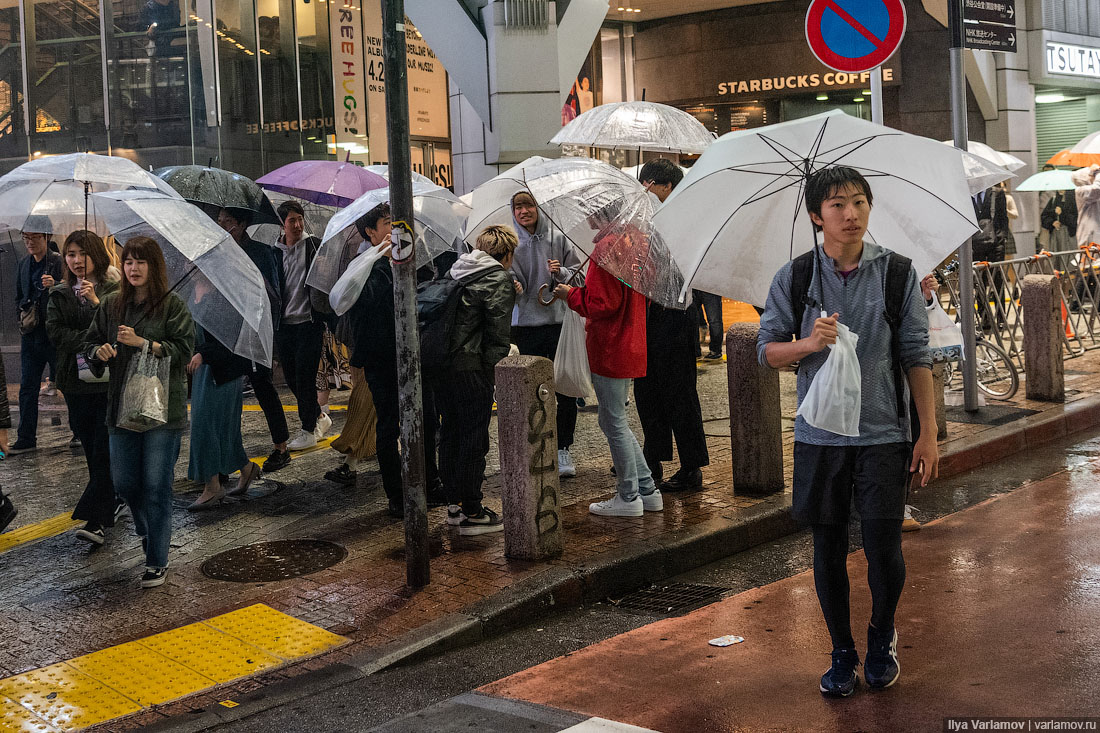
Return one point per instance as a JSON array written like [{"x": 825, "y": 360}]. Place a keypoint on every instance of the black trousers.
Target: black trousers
[
  {"x": 710, "y": 312},
  {"x": 381, "y": 376},
  {"x": 300, "y": 346},
  {"x": 88, "y": 421},
  {"x": 465, "y": 400},
  {"x": 667, "y": 398},
  {"x": 543, "y": 341},
  {"x": 268, "y": 397}
]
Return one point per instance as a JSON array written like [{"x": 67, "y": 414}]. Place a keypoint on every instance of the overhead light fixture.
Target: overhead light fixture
[
  {"x": 822, "y": 97},
  {"x": 866, "y": 92},
  {"x": 621, "y": 9},
  {"x": 1049, "y": 98},
  {"x": 858, "y": 99}
]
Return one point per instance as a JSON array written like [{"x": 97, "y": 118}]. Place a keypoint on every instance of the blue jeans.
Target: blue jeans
[
  {"x": 142, "y": 465},
  {"x": 631, "y": 471},
  {"x": 35, "y": 354}
]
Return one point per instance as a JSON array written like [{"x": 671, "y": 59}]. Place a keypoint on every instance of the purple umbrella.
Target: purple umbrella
[{"x": 326, "y": 182}]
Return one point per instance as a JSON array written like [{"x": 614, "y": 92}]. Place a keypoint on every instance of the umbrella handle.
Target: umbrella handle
[{"x": 545, "y": 286}]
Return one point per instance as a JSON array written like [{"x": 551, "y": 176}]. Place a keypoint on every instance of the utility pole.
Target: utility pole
[
  {"x": 410, "y": 395},
  {"x": 966, "y": 252}
]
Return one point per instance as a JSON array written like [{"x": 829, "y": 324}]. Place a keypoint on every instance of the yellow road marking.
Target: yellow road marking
[
  {"x": 291, "y": 408},
  {"x": 127, "y": 678}
]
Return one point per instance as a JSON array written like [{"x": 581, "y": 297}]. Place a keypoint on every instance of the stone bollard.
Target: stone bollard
[
  {"x": 526, "y": 425},
  {"x": 941, "y": 410},
  {"x": 755, "y": 421},
  {"x": 1042, "y": 316}
]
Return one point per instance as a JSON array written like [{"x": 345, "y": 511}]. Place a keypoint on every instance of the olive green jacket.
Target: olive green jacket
[{"x": 67, "y": 319}]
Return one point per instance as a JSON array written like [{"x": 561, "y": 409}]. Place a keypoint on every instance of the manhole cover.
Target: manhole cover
[
  {"x": 279, "y": 560},
  {"x": 670, "y": 600}
]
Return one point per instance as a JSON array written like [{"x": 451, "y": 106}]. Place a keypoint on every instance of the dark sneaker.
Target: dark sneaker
[
  {"x": 684, "y": 480},
  {"x": 121, "y": 510},
  {"x": 21, "y": 446},
  {"x": 92, "y": 533},
  {"x": 277, "y": 460},
  {"x": 435, "y": 495},
  {"x": 74, "y": 442},
  {"x": 153, "y": 577},
  {"x": 881, "y": 668},
  {"x": 840, "y": 680},
  {"x": 483, "y": 522},
  {"x": 712, "y": 356},
  {"x": 7, "y": 513},
  {"x": 396, "y": 509},
  {"x": 342, "y": 475}
]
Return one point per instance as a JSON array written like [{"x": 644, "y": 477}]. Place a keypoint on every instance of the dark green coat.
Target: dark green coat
[
  {"x": 67, "y": 319},
  {"x": 171, "y": 325},
  {"x": 483, "y": 322}
]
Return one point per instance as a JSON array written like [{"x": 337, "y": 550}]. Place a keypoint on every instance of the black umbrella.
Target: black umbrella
[{"x": 214, "y": 188}]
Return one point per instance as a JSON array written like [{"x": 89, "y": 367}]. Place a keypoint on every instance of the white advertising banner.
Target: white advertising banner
[{"x": 348, "y": 74}]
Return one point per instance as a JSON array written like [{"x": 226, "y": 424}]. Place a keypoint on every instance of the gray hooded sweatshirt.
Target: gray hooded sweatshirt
[{"x": 530, "y": 271}]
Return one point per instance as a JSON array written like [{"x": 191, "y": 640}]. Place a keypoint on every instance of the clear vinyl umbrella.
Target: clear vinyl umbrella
[
  {"x": 438, "y": 216},
  {"x": 1002, "y": 160},
  {"x": 637, "y": 126},
  {"x": 592, "y": 203},
  {"x": 744, "y": 207},
  {"x": 317, "y": 217},
  {"x": 223, "y": 289}
]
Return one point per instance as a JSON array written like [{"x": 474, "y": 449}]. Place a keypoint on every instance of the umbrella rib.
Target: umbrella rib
[{"x": 884, "y": 174}]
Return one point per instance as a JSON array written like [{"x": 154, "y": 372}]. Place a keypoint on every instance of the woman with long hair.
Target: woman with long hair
[
  {"x": 72, "y": 304},
  {"x": 144, "y": 312}
]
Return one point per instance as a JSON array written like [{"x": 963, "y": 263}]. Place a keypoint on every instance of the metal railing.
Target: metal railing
[{"x": 997, "y": 289}]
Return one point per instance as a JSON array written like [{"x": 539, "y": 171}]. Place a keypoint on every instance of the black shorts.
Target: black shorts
[{"x": 827, "y": 476}]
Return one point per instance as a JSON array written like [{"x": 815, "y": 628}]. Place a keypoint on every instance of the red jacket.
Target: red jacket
[{"x": 615, "y": 330}]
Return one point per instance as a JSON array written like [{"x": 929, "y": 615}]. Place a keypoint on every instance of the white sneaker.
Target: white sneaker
[
  {"x": 302, "y": 441},
  {"x": 566, "y": 468},
  {"x": 455, "y": 515},
  {"x": 653, "y": 502},
  {"x": 616, "y": 507},
  {"x": 324, "y": 422}
]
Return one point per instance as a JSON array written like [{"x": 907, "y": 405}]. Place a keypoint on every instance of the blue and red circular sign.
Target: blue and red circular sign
[{"x": 854, "y": 35}]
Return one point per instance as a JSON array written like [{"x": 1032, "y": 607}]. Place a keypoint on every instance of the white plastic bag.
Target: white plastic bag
[
  {"x": 944, "y": 335},
  {"x": 833, "y": 400},
  {"x": 572, "y": 375},
  {"x": 350, "y": 285}
]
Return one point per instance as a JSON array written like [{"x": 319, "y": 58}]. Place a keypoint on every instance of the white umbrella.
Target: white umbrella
[
  {"x": 981, "y": 173},
  {"x": 222, "y": 287},
  {"x": 1056, "y": 180},
  {"x": 637, "y": 126},
  {"x": 739, "y": 215},
  {"x": 438, "y": 220},
  {"x": 996, "y": 157},
  {"x": 384, "y": 171}
]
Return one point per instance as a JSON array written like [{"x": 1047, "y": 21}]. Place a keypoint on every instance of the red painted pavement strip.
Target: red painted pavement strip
[{"x": 999, "y": 610}]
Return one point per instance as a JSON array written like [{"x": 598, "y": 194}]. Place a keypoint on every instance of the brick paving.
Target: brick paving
[{"x": 60, "y": 599}]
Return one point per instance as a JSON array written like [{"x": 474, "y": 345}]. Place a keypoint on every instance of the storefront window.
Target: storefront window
[
  {"x": 13, "y": 142},
  {"x": 240, "y": 141},
  {"x": 278, "y": 70},
  {"x": 315, "y": 74}
]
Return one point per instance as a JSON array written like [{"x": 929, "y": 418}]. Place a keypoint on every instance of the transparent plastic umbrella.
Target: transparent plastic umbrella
[
  {"x": 223, "y": 289},
  {"x": 214, "y": 188},
  {"x": 743, "y": 201},
  {"x": 637, "y": 126},
  {"x": 117, "y": 173},
  {"x": 592, "y": 203},
  {"x": 996, "y": 157},
  {"x": 438, "y": 215},
  {"x": 981, "y": 173},
  {"x": 384, "y": 171},
  {"x": 317, "y": 218}
]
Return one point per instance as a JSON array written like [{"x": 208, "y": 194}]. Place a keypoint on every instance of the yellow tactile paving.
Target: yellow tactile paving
[
  {"x": 66, "y": 698},
  {"x": 38, "y": 530},
  {"x": 16, "y": 718},
  {"x": 290, "y": 408},
  {"x": 141, "y": 674},
  {"x": 210, "y": 652},
  {"x": 276, "y": 632}
]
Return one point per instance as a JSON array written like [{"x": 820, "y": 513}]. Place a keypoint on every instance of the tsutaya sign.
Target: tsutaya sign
[
  {"x": 808, "y": 82},
  {"x": 1063, "y": 58}
]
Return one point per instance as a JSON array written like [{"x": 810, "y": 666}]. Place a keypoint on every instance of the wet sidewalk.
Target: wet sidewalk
[{"x": 64, "y": 600}]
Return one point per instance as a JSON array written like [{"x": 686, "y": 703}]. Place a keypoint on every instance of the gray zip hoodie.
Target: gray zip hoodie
[
  {"x": 530, "y": 271},
  {"x": 860, "y": 301}
]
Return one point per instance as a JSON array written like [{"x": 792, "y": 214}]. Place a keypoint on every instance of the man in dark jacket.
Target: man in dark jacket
[
  {"x": 37, "y": 273},
  {"x": 375, "y": 351},
  {"x": 464, "y": 392},
  {"x": 668, "y": 402},
  {"x": 990, "y": 244},
  {"x": 236, "y": 222}
]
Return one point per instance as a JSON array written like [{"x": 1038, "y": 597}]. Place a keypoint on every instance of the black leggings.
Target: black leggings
[{"x": 885, "y": 575}]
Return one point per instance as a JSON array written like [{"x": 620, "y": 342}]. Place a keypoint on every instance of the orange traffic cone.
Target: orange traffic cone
[{"x": 1065, "y": 321}]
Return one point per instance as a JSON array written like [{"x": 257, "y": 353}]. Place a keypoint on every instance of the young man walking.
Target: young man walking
[{"x": 848, "y": 278}]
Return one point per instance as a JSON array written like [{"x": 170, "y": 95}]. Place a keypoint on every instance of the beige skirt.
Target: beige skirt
[{"x": 360, "y": 430}]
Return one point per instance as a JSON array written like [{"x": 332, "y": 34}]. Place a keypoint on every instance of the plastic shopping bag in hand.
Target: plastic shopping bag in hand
[
  {"x": 833, "y": 400},
  {"x": 572, "y": 375},
  {"x": 144, "y": 402},
  {"x": 350, "y": 285},
  {"x": 944, "y": 335}
]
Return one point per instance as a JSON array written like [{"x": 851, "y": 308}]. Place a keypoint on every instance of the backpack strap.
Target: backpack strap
[
  {"x": 802, "y": 272},
  {"x": 893, "y": 295}
]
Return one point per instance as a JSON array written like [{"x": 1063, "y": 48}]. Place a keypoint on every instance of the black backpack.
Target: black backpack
[
  {"x": 897, "y": 277},
  {"x": 437, "y": 304}
]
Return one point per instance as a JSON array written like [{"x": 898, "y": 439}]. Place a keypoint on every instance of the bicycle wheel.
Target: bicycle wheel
[{"x": 997, "y": 375}]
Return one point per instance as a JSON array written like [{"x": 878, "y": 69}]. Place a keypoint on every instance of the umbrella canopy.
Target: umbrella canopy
[
  {"x": 743, "y": 200},
  {"x": 982, "y": 174},
  {"x": 603, "y": 211},
  {"x": 317, "y": 218},
  {"x": 327, "y": 182},
  {"x": 1048, "y": 181},
  {"x": 637, "y": 125},
  {"x": 438, "y": 218},
  {"x": 384, "y": 171},
  {"x": 223, "y": 289},
  {"x": 214, "y": 188},
  {"x": 996, "y": 157},
  {"x": 1083, "y": 154}
]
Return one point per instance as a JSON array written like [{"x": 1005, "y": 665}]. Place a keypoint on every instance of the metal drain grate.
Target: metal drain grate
[
  {"x": 268, "y": 561},
  {"x": 673, "y": 599}
]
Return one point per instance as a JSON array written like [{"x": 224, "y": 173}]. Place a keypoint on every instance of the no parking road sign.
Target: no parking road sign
[{"x": 854, "y": 35}]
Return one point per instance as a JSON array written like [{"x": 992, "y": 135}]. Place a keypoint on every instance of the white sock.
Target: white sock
[{"x": 351, "y": 463}]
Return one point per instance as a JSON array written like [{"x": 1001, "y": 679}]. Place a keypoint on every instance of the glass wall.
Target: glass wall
[
  {"x": 13, "y": 141},
  {"x": 315, "y": 78}
]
